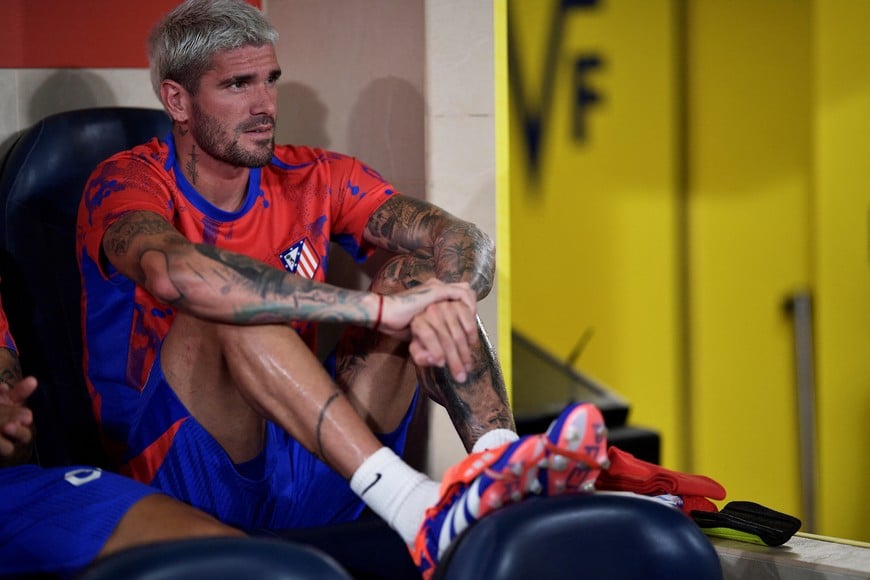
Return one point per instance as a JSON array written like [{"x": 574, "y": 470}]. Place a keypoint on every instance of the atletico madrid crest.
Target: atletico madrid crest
[{"x": 301, "y": 259}]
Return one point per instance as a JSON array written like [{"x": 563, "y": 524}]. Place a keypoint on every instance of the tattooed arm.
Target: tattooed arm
[
  {"x": 223, "y": 286},
  {"x": 434, "y": 243},
  {"x": 459, "y": 249}
]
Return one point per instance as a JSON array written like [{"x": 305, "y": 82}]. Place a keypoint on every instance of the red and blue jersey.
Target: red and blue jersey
[{"x": 294, "y": 207}]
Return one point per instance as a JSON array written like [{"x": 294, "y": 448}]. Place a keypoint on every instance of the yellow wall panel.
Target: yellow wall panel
[
  {"x": 593, "y": 230},
  {"x": 842, "y": 254},
  {"x": 749, "y": 146},
  {"x": 730, "y": 146}
]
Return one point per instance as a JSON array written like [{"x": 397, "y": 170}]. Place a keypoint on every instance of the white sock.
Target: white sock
[
  {"x": 395, "y": 491},
  {"x": 493, "y": 439}
]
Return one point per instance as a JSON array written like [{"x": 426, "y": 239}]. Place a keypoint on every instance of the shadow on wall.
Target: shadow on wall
[
  {"x": 301, "y": 116},
  {"x": 387, "y": 131},
  {"x": 302, "y": 121},
  {"x": 386, "y": 128},
  {"x": 67, "y": 90},
  {"x": 63, "y": 90}
]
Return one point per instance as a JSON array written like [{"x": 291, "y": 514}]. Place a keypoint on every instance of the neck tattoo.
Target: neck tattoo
[{"x": 191, "y": 165}]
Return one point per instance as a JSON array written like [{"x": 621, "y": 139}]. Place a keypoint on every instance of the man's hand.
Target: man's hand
[
  {"x": 16, "y": 421},
  {"x": 440, "y": 337},
  {"x": 439, "y": 320}
]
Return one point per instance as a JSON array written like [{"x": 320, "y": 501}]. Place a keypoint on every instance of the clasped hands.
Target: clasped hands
[{"x": 440, "y": 322}]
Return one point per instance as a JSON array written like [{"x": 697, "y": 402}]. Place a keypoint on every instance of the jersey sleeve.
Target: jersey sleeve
[
  {"x": 359, "y": 191},
  {"x": 130, "y": 181}
]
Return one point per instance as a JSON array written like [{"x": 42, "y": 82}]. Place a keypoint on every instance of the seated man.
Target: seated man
[
  {"x": 203, "y": 257},
  {"x": 59, "y": 520}
]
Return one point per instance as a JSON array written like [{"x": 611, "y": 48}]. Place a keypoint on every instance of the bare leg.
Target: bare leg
[
  {"x": 157, "y": 518},
  {"x": 378, "y": 377},
  {"x": 231, "y": 377}
]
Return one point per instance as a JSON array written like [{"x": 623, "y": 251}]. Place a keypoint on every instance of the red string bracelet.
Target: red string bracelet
[{"x": 380, "y": 311}]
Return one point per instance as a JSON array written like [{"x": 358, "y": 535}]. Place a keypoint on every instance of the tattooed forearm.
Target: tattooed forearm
[
  {"x": 264, "y": 280},
  {"x": 462, "y": 252},
  {"x": 264, "y": 294},
  {"x": 318, "y": 430},
  {"x": 218, "y": 284},
  {"x": 477, "y": 405}
]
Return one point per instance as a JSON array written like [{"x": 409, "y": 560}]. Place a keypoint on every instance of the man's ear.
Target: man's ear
[{"x": 176, "y": 100}]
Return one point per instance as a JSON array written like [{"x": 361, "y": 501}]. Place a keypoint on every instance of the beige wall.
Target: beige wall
[
  {"x": 28, "y": 95},
  {"x": 407, "y": 86},
  {"x": 460, "y": 147}
]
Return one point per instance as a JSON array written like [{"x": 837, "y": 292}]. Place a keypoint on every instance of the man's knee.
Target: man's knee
[
  {"x": 227, "y": 334},
  {"x": 253, "y": 342},
  {"x": 213, "y": 342}
]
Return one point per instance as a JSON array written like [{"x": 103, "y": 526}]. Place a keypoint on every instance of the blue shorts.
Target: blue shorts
[
  {"x": 286, "y": 487},
  {"x": 57, "y": 520}
]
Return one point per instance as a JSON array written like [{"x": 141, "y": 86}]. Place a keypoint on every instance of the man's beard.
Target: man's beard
[{"x": 212, "y": 138}]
